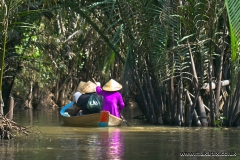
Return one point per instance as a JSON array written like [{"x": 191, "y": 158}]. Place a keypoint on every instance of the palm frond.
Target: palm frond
[
  {"x": 234, "y": 27},
  {"x": 234, "y": 14}
]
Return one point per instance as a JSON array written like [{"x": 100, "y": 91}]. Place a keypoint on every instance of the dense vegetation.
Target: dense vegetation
[{"x": 166, "y": 53}]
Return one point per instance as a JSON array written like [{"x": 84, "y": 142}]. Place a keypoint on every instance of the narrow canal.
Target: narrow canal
[{"x": 51, "y": 140}]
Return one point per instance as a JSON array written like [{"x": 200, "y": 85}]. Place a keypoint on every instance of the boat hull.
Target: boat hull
[
  {"x": 91, "y": 120},
  {"x": 102, "y": 119}
]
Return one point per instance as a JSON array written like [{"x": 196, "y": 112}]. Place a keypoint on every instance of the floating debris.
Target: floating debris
[{"x": 9, "y": 128}]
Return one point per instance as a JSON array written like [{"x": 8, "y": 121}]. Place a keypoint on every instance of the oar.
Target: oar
[
  {"x": 125, "y": 121},
  {"x": 94, "y": 80},
  {"x": 62, "y": 111}
]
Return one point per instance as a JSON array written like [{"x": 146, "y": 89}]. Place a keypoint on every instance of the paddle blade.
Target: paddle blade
[{"x": 125, "y": 121}]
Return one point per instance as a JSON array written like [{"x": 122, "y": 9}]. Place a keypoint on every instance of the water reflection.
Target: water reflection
[
  {"x": 111, "y": 144},
  {"x": 5, "y": 150},
  {"x": 124, "y": 143},
  {"x": 87, "y": 143}
]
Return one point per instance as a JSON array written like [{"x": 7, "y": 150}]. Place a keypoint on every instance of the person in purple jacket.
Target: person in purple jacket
[{"x": 112, "y": 99}]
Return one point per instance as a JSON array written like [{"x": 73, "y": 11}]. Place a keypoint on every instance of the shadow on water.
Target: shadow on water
[{"x": 53, "y": 140}]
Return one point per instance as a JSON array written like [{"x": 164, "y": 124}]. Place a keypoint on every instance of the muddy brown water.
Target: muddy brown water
[{"x": 52, "y": 140}]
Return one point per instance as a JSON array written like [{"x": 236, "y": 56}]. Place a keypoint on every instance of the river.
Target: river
[{"x": 52, "y": 140}]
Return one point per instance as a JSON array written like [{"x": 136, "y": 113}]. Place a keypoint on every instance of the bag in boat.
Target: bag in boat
[{"x": 94, "y": 103}]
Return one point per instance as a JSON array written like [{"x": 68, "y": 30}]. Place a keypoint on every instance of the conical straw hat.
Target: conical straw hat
[
  {"x": 80, "y": 86},
  {"x": 89, "y": 87},
  {"x": 112, "y": 85}
]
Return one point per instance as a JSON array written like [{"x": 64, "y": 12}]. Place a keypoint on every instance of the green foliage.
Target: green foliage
[
  {"x": 219, "y": 121},
  {"x": 23, "y": 33},
  {"x": 234, "y": 26},
  {"x": 9, "y": 9},
  {"x": 88, "y": 38}
]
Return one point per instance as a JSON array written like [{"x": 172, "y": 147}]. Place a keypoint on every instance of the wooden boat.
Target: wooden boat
[{"x": 102, "y": 119}]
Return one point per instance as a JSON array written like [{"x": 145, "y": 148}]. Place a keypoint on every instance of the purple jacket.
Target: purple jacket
[{"x": 113, "y": 101}]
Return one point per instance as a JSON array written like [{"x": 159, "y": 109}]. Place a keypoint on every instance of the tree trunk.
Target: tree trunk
[
  {"x": 201, "y": 109},
  {"x": 61, "y": 101},
  {"x": 236, "y": 110},
  {"x": 180, "y": 108},
  {"x": 234, "y": 102},
  {"x": 156, "y": 89},
  {"x": 1, "y": 103},
  {"x": 30, "y": 95},
  {"x": 212, "y": 104},
  {"x": 56, "y": 94},
  {"x": 219, "y": 78},
  {"x": 172, "y": 100},
  {"x": 192, "y": 114},
  {"x": 2, "y": 57},
  {"x": 10, "y": 107},
  {"x": 150, "y": 104},
  {"x": 223, "y": 83},
  {"x": 155, "y": 104},
  {"x": 164, "y": 94},
  {"x": 142, "y": 92},
  {"x": 225, "y": 111}
]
